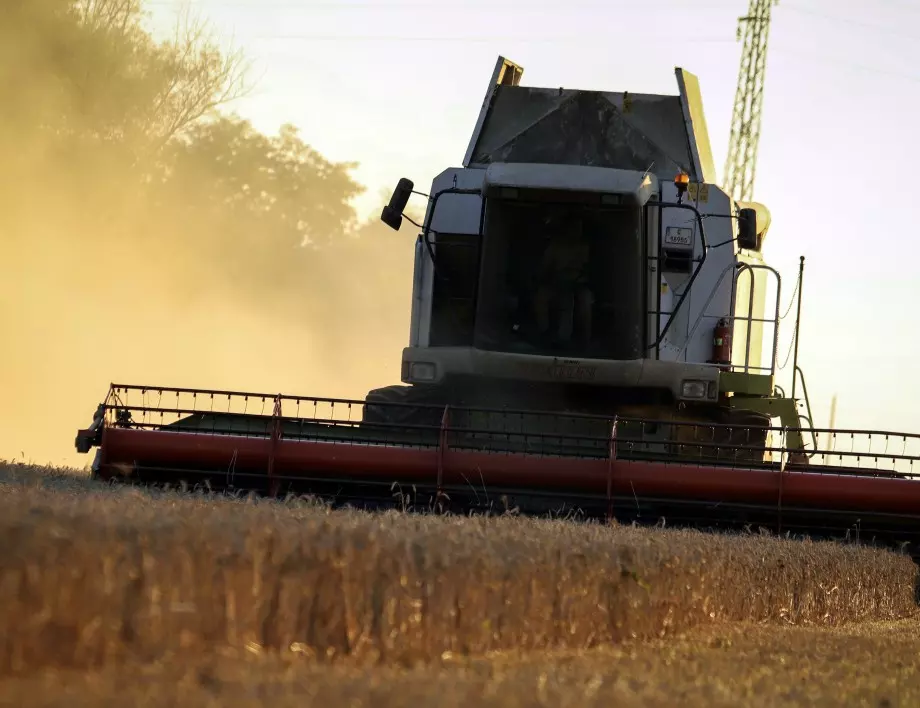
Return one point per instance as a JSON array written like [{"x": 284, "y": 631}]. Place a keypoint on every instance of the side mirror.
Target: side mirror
[
  {"x": 747, "y": 229},
  {"x": 392, "y": 212}
]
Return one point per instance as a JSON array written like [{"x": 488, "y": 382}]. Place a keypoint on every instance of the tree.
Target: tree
[
  {"x": 236, "y": 173},
  {"x": 88, "y": 68},
  {"x": 90, "y": 103},
  {"x": 248, "y": 211}
]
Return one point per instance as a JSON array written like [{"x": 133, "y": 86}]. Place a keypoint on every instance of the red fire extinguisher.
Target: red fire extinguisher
[{"x": 722, "y": 344}]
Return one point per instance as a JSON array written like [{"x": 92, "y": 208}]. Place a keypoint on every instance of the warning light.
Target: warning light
[{"x": 681, "y": 181}]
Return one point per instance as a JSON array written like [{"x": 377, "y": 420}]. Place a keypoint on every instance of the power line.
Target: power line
[
  {"x": 388, "y": 5},
  {"x": 261, "y": 5},
  {"x": 476, "y": 39},
  {"x": 841, "y": 62},
  {"x": 775, "y": 50},
  {"x": 844, "y": 63},
  {"x": 850, "y": 21}
]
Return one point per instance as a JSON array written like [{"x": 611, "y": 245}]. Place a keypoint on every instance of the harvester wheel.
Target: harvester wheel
[
  {"x": 744, "y": 442},
  {"x": 748, "y": 437},
  {"x": 379, "y": 408}
]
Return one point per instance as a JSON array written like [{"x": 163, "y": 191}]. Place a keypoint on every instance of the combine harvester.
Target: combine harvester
[{"x": 589, "y": 318}]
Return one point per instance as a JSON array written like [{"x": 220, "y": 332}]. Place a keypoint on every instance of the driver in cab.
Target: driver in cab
[{"x": 563, "y": 300}]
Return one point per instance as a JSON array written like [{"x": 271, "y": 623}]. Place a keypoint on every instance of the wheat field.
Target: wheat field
[{"x": 117, "y": 596}]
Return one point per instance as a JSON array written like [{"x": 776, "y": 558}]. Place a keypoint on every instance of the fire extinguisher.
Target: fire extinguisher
[{"x": 722, "y": 344}]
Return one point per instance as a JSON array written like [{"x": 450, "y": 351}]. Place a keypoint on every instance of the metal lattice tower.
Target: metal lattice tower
[{"x": 741, "y": 163}]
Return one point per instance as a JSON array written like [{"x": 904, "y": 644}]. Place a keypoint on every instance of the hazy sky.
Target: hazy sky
[{"x": 397, "y": 86}]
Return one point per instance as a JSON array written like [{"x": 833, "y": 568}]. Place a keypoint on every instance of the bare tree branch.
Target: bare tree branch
[{"x": 187, "y": 78}]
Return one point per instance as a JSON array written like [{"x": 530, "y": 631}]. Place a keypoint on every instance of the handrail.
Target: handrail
[
  {"x": 699, "y": 267},
  {"x": 814, "y": 435},
  {"x": 750, "y": 315}
]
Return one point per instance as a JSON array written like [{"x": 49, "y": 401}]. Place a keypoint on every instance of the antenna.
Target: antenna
[
  {"x": 741, "y": 163},
  {"x": 830, "y": 425}
]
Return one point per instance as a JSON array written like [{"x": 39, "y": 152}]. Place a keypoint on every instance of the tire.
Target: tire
[
  {"x": 379, "y": 406},
  {"x": 747, "y": 439},
  {"x": 744, "y": 442}
]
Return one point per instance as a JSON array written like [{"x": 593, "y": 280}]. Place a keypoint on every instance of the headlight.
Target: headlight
[
  {"x": 693, "y": 389},
  {"x": 422, "y": 371}
]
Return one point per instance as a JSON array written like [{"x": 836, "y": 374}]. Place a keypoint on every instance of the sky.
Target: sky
[{"x": 397, "y": 86}]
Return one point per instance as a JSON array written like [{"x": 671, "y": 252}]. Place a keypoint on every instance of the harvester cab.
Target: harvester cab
[
  {"x": 584, "y": 260},
  {"x": 594, "y": 327}
]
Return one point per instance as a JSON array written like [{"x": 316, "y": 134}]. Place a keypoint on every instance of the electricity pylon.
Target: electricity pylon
[{"x": 741, "y": 163}]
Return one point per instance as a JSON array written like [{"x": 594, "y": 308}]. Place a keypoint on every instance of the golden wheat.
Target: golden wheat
[
  {"x": 92, "y": 574},
  {"x": 744, "y": 665}
]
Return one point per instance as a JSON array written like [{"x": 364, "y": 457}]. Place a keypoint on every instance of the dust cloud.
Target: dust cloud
[
  {"x": 79, "y": 313},
  {"x": 150, "y": 236},
  {"x": 85, "y": 301}
]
